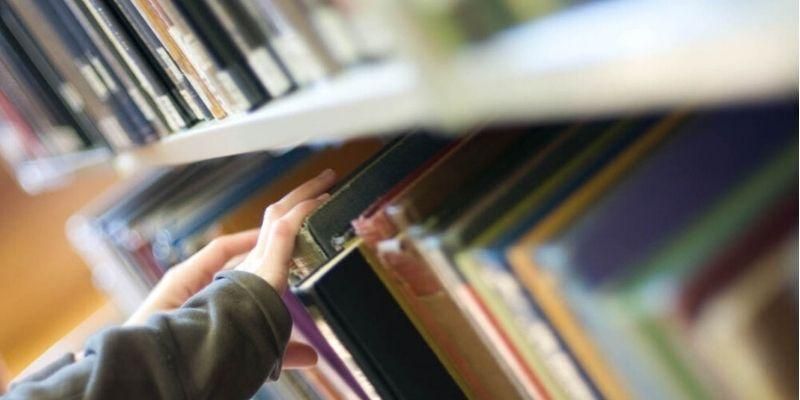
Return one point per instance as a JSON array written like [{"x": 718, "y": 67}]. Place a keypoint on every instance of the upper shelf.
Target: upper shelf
[
  {"x": 361, "y": 101},
  {"x": 49, "y": 173},
  {"x": 595, "y": 58}
]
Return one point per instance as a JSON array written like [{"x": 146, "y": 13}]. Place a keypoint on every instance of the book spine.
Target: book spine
[
  {"x": 333, "y": 340},
  {"x": 97, "y": 72},
  {"x": 539, "y": 335},
  {"x": 307, "y": 44},
  {"x": 57, "y": 85},
  {"x": 255, "y": 47},
  {"x": 133, "y": 60},
  {"x": 120, "y": 80},
  {"x": 295, "y": 54},
  {"x": 28, "y": 93},
  {"x": 79, "y": 88},
  {"x": 505, "y": 353},
  {"x": 331, "y": 28},
  {"x": 233, "y": 71},
  {"x": 182, "y": 33},
  {"x": 307, "y": 256},
  {"x": 163, "y": 63},
  {"x": 173, "y": 42}
]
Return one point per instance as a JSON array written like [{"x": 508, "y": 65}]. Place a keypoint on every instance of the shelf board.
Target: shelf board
[
  {"x": 624, "y": 56},
  {"x": 50, "y": 173},
  {"x": 365, "y": 100},
  {"x": 616, "y": 56}
]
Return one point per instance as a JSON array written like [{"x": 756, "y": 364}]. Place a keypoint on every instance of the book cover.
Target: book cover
[
  {"x": 378, "y": 336},
  {"x": 544, "y": 287},
  {"x": 326, "y": 230}
]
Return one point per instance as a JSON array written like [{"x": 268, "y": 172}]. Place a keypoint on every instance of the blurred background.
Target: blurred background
[
  {"x": 47, "y": 289},
  {"x": 593, "y": 173}
]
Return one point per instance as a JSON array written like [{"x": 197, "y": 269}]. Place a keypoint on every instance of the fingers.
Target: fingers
[
  {"x": 308, "y": 190},
  {"x": 199, "y": 269},
  {"x": 299, "y": 355},
  {"x": 275, "y": 260}
]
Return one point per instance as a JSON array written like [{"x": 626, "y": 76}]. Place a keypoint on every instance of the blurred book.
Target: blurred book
[{"x": 602, "y": 259}]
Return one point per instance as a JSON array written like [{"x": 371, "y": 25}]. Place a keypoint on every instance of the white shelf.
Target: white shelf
[
  {"x": 597, "y": 58},
  {"x": 627, "y": 56},
  {"x": 50, "y": 173},
  {"x": 365, "y": 100}
]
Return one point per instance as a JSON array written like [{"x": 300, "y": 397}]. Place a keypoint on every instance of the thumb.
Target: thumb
[{"x": 299, "y": 355}]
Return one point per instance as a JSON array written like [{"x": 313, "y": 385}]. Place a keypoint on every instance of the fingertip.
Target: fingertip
[
  {"x": 323, "y": 197},
  {"x": 300, "y": 355},
  {"x": 327, "y": 174}
]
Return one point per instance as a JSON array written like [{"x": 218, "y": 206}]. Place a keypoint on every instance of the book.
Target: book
[
  {"x": 84, "y": 90},
  {"x": 326, "y": 229},
  {"x": 19, "y": 142},
  {"x": 543, "y": 287},
  {"x": 416, "y": 288},
  {"x": 747, "y": 332},
  {"x": 304, "y": 323},
  {"x": 309, "y": 55},
  {"x": 640, "y": 310},
  {"x": 143, "y": 35},
  {"x": 705, "y": 157},
  {"x": 540, "y": 345},
  {"x": 291, "y": 50},
  {"x": 132, "y": 61},
  {"x": 550, "y": 180},
  {"x": 130, "y": 106},
  {"x": 424, "y": 231},
  {"x": 233, "y": 72},
  {"x": 378, "y": 336},
  {"x": 182, "y": 48},
  {"x": 250, "y": 41},
  {"x": 55, "y": 83},
  {"x": 48, "y": 123}
]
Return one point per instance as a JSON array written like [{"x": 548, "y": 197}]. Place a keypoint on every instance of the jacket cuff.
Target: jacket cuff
[{"x": 272, "y": 308}]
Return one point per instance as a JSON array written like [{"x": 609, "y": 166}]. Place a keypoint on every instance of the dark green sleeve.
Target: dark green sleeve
[{"x": 222, "y": 344}]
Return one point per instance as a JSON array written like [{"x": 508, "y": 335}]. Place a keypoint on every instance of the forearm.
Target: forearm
[{"x": 223, "y": 343}]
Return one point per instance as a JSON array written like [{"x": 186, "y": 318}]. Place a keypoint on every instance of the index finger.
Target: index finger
[
  {"x": 202, "y": 266},
  {"x": 308, "y": 190}
]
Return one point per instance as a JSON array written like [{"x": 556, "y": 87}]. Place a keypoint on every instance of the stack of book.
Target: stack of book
[
  {"x": 122, "y": 73},
  {"x": 645, "y": 257},
  {"x": 81, "y": 74}
]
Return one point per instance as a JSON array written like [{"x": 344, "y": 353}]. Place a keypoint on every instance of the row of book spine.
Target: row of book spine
[
  {"x": 79, "y": 74},
  {"x": 124, "y": 73},
  {"x": 639, "y": 257}
]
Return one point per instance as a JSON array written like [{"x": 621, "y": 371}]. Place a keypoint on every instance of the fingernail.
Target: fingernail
[
  {"x": 323, "y": 197},
  {"x": 328, "y": 173}
]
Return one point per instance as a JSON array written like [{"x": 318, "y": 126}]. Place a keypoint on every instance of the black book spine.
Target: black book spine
[
  {"x": 41, "y": 85},
  {"x": 113, "y": 69},
  {"x": 376, "y": 331},
  {"x": 330, "y": 224},
  {"x": 118, "y": 41},
  {"x": 142, "y": 34},
  {"x": 235, "y": 73},
  {"x": 79, "y": 44},
  {"x": 254, "y": 44}
]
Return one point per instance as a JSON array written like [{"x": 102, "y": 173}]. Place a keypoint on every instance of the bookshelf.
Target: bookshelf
[
  {"x": 43, "y": 174},
  {"x": 481, "y": 249},
  {"x": 597, "y": 58},
  {"x": 379, "y": 97}
]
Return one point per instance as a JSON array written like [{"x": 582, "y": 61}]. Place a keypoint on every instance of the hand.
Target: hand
[
  {"x": 189, "y": 277},
  {"x": 270, "y": 250},
  {"x": 272, "y": 255}
]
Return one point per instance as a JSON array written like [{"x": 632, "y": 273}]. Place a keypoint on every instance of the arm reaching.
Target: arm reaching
[{"x": 230, "y": 332}]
